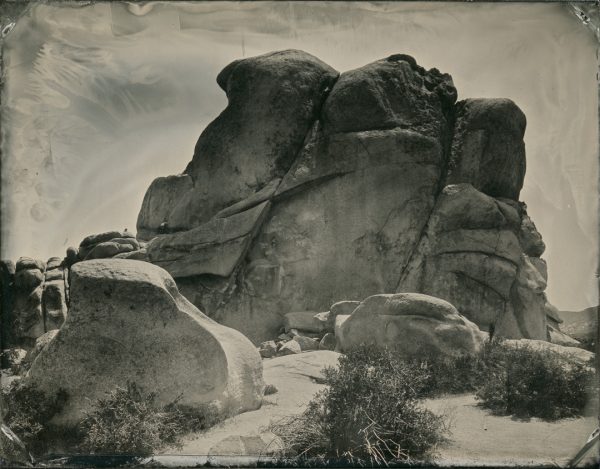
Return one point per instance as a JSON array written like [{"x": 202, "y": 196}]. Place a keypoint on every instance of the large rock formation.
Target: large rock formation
[
  {"x": 309, "y": 190},
  {"x": 128, "y": 322},
  {"x": 273, "y": 101}
]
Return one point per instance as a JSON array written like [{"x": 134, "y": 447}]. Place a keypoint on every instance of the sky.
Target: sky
[{"x": 101, "y": 99}]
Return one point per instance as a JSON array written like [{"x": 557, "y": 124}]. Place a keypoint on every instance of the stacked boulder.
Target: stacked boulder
[
  {"x": 34, "y": 302},
  {"x": 119, "y": 244},
  {"x": 373, "y": 181},
  {"x": 28, "y": 322}
]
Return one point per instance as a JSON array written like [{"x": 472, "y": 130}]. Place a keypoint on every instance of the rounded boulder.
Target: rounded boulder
[{"x": 412, "y": 323}]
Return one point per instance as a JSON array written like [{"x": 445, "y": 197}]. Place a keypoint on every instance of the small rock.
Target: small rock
[
  {"x": 40, "y": 343},
  {"x": 285, "y": 337},
  {"x": 108, "y": 249},
  {"x": 326, "y": 319},
  {"x": 268, "y": 349},
  {"x": 13, "y": 358},
  {"x": 55, "y": 274},
  {"x": 28, "y": 263},
  {"x": 339, "y": 321},
  {"x": 139, "y": 255},
  {"x": 305, "y": 321},
  {"x": 127, "y": 241},
  {"x": 290, "y": 348},
  {"x": 306, "y": 343},
  {"x": 72, "y": 257},
  {"x": 53, "y": 263},
  {"x": 560, "y": 338},
  {"x": 328, "y": 342},
  {"x": 103, "y": 237},
  {"x": 28, "y": 279},
  {"x": 270, "y": 389},
  {"x": 342, "y": 307}
]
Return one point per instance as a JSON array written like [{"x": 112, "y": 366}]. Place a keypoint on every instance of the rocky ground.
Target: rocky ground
[{"x": 476, "y": 438}]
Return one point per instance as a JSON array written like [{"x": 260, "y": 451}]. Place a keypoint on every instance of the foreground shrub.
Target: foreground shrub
[
  {"x": 368, "y": 414},
  {"x": 28, "y": 412},
  {"x": 451, "y": 374},
  {"x": 129, "y": 421},
  {"x": 527, "y": 383}
]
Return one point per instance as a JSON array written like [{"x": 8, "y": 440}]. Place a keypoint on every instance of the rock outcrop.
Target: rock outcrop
[
  {"x": 273, "y": 101},
  {"x": 128, "y": 322},
  {"x": 376, "y": 181},
  {"x": 415, "y": 325}
]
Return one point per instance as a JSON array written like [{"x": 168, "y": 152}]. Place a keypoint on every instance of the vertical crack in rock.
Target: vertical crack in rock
[{"x": 449, "y": 110}]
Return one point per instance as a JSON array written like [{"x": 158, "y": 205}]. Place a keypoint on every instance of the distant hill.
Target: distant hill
[{"x": 580, "y": 324}]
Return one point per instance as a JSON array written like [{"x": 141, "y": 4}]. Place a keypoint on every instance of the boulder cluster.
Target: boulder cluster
[{"x": 35, "y": 297}]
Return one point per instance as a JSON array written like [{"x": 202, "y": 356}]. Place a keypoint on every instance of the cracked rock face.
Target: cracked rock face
[{"x": 312, "y": 188}]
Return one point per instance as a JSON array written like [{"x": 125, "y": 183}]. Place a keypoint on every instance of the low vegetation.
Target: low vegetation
[
  {"x": 528, "y": 383},
  {"x": 128, "y": 421},
  {"x": 28, "y": 411},
  {"x": 368, "y": 414},
  {"x": 370, "y": 411}
]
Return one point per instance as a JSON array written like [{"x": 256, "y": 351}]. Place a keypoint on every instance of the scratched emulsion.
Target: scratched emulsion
[{"x": 101, "y": 99}]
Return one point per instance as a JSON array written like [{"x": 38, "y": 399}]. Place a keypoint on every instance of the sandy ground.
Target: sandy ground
[{"x": 477, "y": 437}]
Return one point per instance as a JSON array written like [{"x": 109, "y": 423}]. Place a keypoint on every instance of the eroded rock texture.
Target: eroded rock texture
[
  {"x": 311, "y": 188},
  {"x": 128, "y": 322}
]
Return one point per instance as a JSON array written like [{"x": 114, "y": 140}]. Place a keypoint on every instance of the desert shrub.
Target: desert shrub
[
  {"x": 28, "y": 412},
  {"x": 525, "y": 382},
  {"x": 130, "y": 421},
  {"x": 450, "y": 374},
  {"x": 369, "y": 413}
]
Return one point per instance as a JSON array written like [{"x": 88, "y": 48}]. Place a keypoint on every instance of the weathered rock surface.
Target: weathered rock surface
[
  {"x": 127, "y": 321},
  {"x": 373, "y": 182},
  {"x": 412, "y": 323},
  {"x": 213, "y": 248},
  {"x": 160, "y": 198},
  {"x": 471, "y": 256},
  {"x": 273, "y": 100},
  {"x": 488, "y": 151},
  {"x": 393, "y": 92}
]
